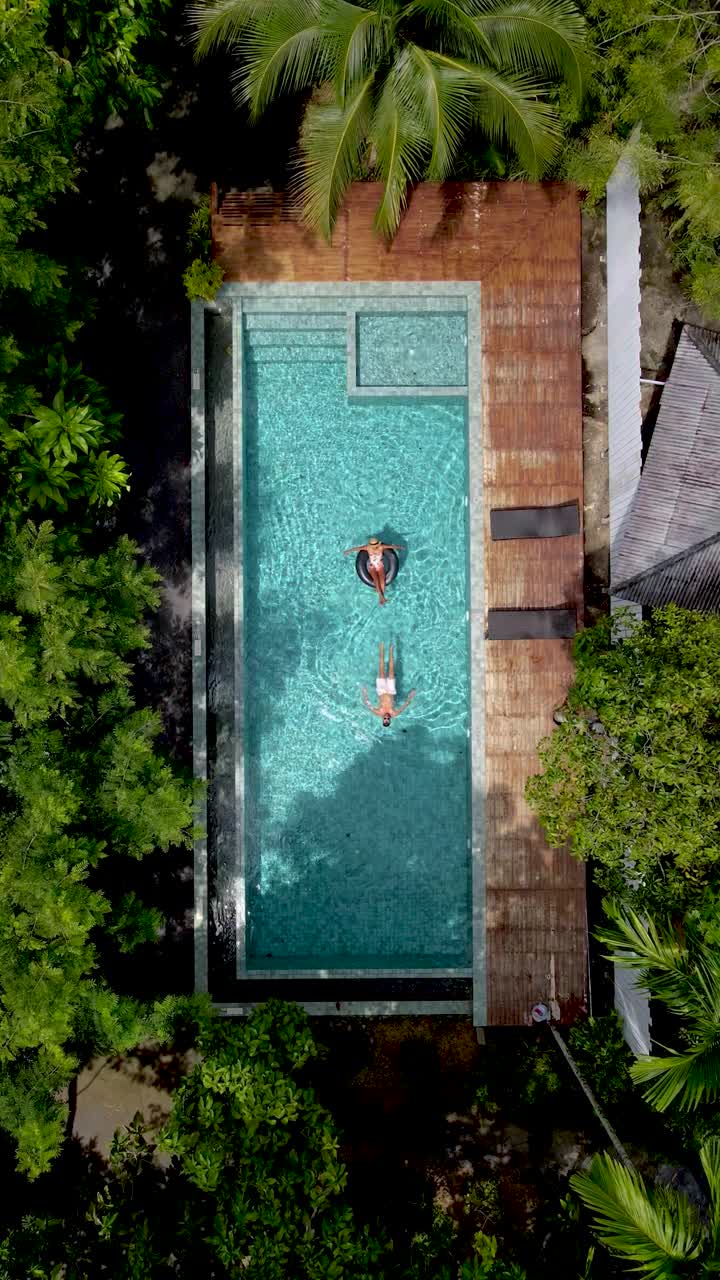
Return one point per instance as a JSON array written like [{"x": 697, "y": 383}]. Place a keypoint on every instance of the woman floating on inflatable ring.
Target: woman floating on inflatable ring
[{"x": 375, "y": 551}]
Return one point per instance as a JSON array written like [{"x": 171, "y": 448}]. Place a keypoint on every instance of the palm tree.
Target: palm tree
[
  {"x": 657, "y": 1230},
  {"x": 402, "y": 84},
  {"x": 684, "y": 972}
]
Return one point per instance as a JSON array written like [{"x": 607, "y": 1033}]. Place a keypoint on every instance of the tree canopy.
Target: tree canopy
[
  {"x": 61, "y": 61},
  {"x": 402, "y": 85},
  {"x": 653, "y": 95},
  {"x": 83, "y": 787},
  {"x": 631, "y": 777},
  {"x": 254, "y": 1186},
  {"x": 251, "y": 1182}
]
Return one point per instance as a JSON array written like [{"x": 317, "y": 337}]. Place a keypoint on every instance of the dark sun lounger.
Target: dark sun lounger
[
  {"x": 535, "y": 522},
  {"x": 531, "y": 624}
]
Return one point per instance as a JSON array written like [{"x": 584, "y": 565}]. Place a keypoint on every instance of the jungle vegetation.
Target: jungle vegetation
[{"x": 630, "y": 776}]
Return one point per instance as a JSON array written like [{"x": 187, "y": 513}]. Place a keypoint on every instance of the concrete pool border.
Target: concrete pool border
[
  {"x": 198, "y": 633},
  {"x": 308, "y": 298}
]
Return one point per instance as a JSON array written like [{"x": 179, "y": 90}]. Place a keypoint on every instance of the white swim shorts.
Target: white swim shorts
[{"x": 385, "y": 685}]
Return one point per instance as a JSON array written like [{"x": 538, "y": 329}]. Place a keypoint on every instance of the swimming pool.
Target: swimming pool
[{"x": 356, "y": 840}]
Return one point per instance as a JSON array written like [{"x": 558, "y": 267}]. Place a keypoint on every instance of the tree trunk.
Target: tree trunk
[{"x": 617, "y": 1144}]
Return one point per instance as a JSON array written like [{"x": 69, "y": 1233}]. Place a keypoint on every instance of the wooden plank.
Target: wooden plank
[{"x": 536, "y": 944}]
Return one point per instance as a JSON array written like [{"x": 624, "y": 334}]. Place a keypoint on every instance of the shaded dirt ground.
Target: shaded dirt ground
[{"x": 111, "y": 1090}]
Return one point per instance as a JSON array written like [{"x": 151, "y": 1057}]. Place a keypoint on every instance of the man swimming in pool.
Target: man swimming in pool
[
  {"x": 375, "y": 550},
  {"x": 385, "y": 689}
]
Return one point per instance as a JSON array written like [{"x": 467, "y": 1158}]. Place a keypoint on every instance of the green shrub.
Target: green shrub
[
  {"x": 631, "y": 777},
  {"x": 603, "y": 1057},
  {"x": 203, "y": 277},
  {"x": 56, "y": 456},
  {"x": 202, "y": 280},
  {"x": 484, "y": 1103},
  {"x": 540, "y": 1080},
  {"x": 482, "y": 1201},
  {"x": 199, "y": 233},
  {"x": 255, "y": 1187}
]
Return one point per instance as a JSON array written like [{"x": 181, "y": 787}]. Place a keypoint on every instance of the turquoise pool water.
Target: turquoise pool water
[
  {"x": 424, "y": 349},
  {"x": 356, "y": 837}
]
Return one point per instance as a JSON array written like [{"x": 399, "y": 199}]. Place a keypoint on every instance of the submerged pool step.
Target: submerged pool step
[
  {"x": 296, "y": 355},
  {"x": 292, "y": 338},
  {"x": 268, "y": 320}
]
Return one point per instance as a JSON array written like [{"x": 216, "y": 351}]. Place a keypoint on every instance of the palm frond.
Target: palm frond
[
  {"x": 333, "y": 139},
  {"x": 710, "y": 1160},
  {"x": 686, "y": 1079},
  {"x": 400, "y": 148},
  {"x": 650, "y": 1229},
  {"x": 285, "y": 53},
  {"x": 702, "y": 990},
  {"x": 443, "y": 110},
  {"x": 453, "y": 28},
  {"x": 355, "y": 36},
  {"x": 545, "y": 36},
  {"x": 650, "y": 946},
  {"x": 688, "y": 983},
  {"x": 218, "y": 25},
  {"x": 509, "y": 110}
]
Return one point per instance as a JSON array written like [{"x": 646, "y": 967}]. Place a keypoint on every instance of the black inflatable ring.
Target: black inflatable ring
[{"x": 391, "y": 565}]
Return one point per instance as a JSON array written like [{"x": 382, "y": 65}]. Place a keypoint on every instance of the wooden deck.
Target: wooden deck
[{"x": 521, "y": 241}]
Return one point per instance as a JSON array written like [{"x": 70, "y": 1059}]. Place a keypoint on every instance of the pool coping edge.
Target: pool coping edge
[{"x": 453, "y": 292}]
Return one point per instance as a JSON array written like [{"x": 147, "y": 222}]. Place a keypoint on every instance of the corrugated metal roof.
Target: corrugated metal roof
[
  {"x": 623, "y": 343},
  {"x": 669, "y": 549},
  {"x": 691, "y": 578},
  {"x": 707, "y": 341}
]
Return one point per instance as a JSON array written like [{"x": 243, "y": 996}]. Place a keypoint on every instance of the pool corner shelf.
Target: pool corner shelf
[{"x": 341, "y": 864}]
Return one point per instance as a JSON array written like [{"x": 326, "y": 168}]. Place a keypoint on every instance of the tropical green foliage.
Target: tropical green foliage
[
  {"x": 61, "y": 62},
  {"x": 654, "y": 96},
  {"x": 254, "y": 1188},
  {"x": 108, "y": 48},
  {"x": 602, "y": 1056},
  {"x": 657, "y": 1232},
  {"x": 486, "y": 1265},
  {"x": 678, "y": 967},
  {"x": 253, "y": 1185},
  {"x": 402, "y": 84},
  {"x": 52, "y": 455},
  {"x": 55, "y": 457},
  {"x": 252, "y": 1138},
  {"x": 81, "y": 786},
  {"x": 202, "y": 277},
  {"x": 631, "y": 777},
  {"x": 440, "y": 1253},
  {"x": 202, "y": 280}
]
